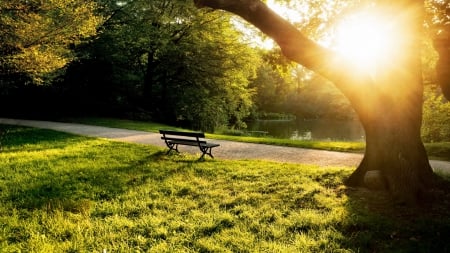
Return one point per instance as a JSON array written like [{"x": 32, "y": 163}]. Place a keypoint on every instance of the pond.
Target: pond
[{"x": 316, "y": 129}]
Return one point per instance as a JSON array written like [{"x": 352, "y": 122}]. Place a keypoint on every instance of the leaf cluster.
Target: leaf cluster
[
  {"x": 37, "y": 36},
  {"x": 186, "y": 65}
]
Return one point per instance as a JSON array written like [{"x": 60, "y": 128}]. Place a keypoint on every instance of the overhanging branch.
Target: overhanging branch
[{"x": 298, "y": 48}]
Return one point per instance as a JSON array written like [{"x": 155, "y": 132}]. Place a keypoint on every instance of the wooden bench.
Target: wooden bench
[{"x": 175, "y": 138}]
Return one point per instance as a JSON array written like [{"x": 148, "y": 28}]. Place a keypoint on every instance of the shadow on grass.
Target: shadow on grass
[
  {"x": 63, "y": 191},
  {"x": 52, "y": 183},
  {"x": 76, "y": 190},
  {"x": 378, "y": 224},
  {"x": 14, "y": 138}
]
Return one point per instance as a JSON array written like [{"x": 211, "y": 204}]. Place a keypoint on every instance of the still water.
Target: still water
[{"x": 320, "y": 129}]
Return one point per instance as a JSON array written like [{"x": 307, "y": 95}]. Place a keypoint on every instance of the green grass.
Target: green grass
[
  {"x": 324, "y": 145},
  {"x": 439, "y": 150},
  {"x": 65, "y": 193}
]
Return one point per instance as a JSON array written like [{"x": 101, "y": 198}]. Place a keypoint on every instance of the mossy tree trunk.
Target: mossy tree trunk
[{"x": 389, "y": 105}]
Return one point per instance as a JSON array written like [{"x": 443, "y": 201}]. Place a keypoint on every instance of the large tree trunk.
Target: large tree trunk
[
  {"x": 389, "y": 105},
  {"x": 395, "y": 158}
]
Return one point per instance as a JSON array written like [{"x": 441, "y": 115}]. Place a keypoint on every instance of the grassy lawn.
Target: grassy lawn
[
  {"x": 439, "y": 151},
  {"x": 65, "y": 193}
]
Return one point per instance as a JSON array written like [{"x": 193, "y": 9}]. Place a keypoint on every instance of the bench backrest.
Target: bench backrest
[{"x": 178, "y": 133}]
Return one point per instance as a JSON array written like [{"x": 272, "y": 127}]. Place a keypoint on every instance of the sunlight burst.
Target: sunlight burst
[{"x": 367, "y": 39}]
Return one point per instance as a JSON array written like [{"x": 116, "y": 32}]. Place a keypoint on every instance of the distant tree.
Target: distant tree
[
  {"x": 37, "y": 37},
  {"x": 318, "y": 98},
  {"x": 181, "y": 65},
  {"x": 271, "y": 90},
  {"x": 439, "y": 25},
  {"x": 274, "y": 84},
  {"x": 389, "y": 107}
]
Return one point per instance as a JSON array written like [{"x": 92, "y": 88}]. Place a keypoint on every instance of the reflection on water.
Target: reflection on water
[
  {"x": 334, "y": 130},
  {"x": 305, "y": 136}
]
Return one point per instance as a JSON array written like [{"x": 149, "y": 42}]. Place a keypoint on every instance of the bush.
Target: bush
[
  {"x": 273, "y": 116},
  {"x": 436, "y": 118}
]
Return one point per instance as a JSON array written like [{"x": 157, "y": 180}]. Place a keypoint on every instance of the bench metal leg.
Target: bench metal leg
[
  {"x": 206, "y": 151},
  {"x": 172, "y": 147}
]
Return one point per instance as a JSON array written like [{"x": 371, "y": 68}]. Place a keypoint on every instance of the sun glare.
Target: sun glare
[
  {"x": 367, "y": 39},
  {"x": 290, "y": 14},
  {"x": 252, "y": 36}
]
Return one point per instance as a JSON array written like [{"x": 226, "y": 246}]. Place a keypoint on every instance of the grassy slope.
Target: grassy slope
[{"x": 64, "y": 193}]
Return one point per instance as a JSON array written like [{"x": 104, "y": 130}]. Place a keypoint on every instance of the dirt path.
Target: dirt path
[{"x": 227, "y": 149}]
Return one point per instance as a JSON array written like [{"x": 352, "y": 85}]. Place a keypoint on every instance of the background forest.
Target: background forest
[{"x": 166, "y": 61}]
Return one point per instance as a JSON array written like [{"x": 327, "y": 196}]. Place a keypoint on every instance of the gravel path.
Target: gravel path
[{"x": 227, "y": 149}]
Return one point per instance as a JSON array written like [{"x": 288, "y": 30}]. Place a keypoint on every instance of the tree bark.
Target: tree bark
[
  {"x": 394, "y": 148},
  {"x": 389, "y": 105},
  {"x": 442, "y": 46}
]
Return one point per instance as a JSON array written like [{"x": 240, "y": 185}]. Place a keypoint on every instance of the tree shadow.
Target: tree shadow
[
  {"x": 73, "y": 190},
  {"x": 377, "y": 223},
  {"x": 76, "y": 190},
  {"x": 14, "y": 138}
]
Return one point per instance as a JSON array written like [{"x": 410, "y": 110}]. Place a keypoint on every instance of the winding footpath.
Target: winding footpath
[{"x": 227, "y": 150}]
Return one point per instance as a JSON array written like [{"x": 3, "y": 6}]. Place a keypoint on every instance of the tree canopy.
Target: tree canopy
[
  {"x": 37, "y": 36},
  {"x": 173, "y": 63}
]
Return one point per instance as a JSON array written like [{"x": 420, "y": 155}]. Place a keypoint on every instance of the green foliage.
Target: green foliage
[
  {"x": 272, "y": 90},
  {"x": 436, "y": 118},
  {"x": 65, "y": 193},
  {"x": 276, "y": 87},
  {"x": 274, "y": 116},
  {"x": 321, "y": 99},
  {"x": 172, "y": 61},
  {"x": 37, "y": 36},
  {"x": 281, "y": 87}
]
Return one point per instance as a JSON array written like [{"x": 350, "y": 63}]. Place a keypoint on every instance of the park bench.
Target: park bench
[{"x": 175, "y": 138}]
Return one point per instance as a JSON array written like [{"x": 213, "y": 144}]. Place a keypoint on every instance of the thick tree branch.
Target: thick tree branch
[{"x": 301, "y": 49}]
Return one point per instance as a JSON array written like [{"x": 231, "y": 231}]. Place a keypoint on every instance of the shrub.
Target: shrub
[{"x": 436, "y": 118}]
